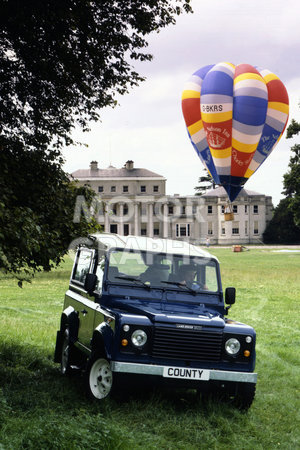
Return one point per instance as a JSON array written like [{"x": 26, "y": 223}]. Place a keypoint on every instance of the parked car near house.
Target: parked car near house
[{"x": 153, "y": 309}]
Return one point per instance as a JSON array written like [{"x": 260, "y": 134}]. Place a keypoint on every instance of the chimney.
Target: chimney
[
  {"x": 94, "y": 165},
  {"x": 129, "y": 165}
]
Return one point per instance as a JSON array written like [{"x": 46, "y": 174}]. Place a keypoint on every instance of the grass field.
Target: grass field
[{"x": 39, "y": 409}]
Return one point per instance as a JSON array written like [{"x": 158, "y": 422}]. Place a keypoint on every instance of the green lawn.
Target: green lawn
[{"x": 39, "y": 409}]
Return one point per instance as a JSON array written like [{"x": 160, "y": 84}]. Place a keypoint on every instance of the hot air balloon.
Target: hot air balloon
[{"x": 235, "y": 116}]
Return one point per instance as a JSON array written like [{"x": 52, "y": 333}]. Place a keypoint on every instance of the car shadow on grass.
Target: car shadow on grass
[{"x": 31, "y": 380}]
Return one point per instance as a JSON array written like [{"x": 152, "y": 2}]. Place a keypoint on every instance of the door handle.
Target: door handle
[{"x": 84, "y": 312}]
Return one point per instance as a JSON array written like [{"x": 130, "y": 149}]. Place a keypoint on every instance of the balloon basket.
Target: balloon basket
[
  {"x": 228, "y": 216},
  {"x": 228, "y": 213}
]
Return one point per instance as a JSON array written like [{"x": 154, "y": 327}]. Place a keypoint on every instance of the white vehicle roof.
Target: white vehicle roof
[{"x": 106, "y": 241}]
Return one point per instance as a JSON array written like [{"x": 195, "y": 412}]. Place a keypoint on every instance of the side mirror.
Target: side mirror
[
  {"x": 230, "y": 296},
  {"x": 90, "y": 283}
]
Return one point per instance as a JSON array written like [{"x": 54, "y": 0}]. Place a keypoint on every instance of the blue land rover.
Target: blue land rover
[{"x": 153, "y": 309}]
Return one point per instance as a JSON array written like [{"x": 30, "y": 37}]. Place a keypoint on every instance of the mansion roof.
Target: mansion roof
[
  {"x": 113, "y": 172},
  {"x": 220, "y": 192}
]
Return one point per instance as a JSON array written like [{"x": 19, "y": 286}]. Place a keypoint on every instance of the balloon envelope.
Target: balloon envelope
[{"x": 235, "y": 116}]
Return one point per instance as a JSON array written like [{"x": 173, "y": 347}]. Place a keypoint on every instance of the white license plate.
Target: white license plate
[{"x": 186, "y": 373}]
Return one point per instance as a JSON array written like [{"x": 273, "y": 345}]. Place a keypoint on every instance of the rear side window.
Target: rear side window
[{"x": 82, "y": 266}]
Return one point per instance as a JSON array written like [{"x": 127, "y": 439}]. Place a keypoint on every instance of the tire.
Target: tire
[
  {"x": 99, "y": 378},
  {"x": 245, "y": 394},
  {"x": 66, "y": 349}
]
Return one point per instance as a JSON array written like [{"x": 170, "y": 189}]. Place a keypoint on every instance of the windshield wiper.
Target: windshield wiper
[
  {"x": 182, "y": 285},
  {"x": 137, "y": 280}
]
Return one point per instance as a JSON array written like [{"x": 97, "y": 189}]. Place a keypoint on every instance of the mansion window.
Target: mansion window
[
  {"x": 126, "y": 229},
  {"x": 143, "y": 188},
  {"x": 125, "y": 188},
  {"x": 144, "y": 209},
  {"x": 209, "y": 209},
  {"x": 113, "y": 189},
  {"x": 223, "y": 228},
  {"x": 255, "y": 209},
  {"x": 255, "y": 227},
  {"x": 223, "y": 209},
  {"x": 170, "y": 209},
  {"x": 209, "y": 228},
  {"x": 246, "y": 209},
  {"x": 234, "y": 209},
  {"x": 100, "y": 188},
  {"x": 155, "y": 188},
  {"x": 182, "y": 229},
  {"x": 235, "y": 228},
  {"x": 113, "y": 228}
]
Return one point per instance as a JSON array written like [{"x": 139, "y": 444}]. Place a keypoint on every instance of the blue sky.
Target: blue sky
[{"x": 148, "y": 125}]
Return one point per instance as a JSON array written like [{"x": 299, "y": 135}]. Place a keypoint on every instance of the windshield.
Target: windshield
[{"x": 162, "y": 270}]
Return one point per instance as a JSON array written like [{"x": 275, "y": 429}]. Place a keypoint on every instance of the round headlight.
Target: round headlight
[
  {"x": 248, "y": 339},
  {"x": 139, "y": 338},
  {"x": 126, "y": 327},
  {"x": 232, "y": 346}
]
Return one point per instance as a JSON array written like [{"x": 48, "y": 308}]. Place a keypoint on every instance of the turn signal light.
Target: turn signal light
[
  {"x": 124, "y": 342},
  {"x": 247, "y": 353}
]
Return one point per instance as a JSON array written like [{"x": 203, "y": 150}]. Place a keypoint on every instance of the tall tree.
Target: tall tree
[
  {"x": 282, "y": 228},
  {"x": 61, "y": 61},
  {"x": 206, "y": 182},
  {"x": 291, "y": 180},
  {"x": 37, "y": 211}
]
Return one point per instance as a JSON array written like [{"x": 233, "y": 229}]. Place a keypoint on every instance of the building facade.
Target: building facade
[{"x": 134, "y": 201}]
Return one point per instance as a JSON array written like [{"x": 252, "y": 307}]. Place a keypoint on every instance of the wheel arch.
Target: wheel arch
[
  {"x": 69, "y": 320},
  {"x": 102, "y": 340}
]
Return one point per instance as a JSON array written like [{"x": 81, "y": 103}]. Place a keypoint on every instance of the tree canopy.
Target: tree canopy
[
  {"x": 206, "y": 182},
  {"x": 284, "y": 227},
  {"x": 61, "y": 61},
  {"x": 36, "y": 211},
  {"x": 291, "y": 180}
]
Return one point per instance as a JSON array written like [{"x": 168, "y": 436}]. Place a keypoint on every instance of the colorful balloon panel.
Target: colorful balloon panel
[{"x": 235, "y": 116}]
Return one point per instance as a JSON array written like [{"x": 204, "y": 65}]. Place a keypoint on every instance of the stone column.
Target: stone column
[
  {"x": 106, "y": 219},
  {"x": 121, "y": 219},
  {"x": 150, "y": 220},
  {"x": 136, "y": 219},
  {"x": 165, "y": 220}
]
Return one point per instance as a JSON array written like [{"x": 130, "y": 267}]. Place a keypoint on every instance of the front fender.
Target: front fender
[
  {"x": 102, "y": 340},
  {"x": 69, "y": 319}
]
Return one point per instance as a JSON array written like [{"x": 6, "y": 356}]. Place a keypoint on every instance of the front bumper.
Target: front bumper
[{"x": 147, "y": 369}]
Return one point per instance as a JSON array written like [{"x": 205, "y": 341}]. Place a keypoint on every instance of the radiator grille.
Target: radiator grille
[{"x": 189, "y": 345}]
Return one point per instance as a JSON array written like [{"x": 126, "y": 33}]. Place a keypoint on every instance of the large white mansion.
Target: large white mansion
[{"x": 134, "y": 201}]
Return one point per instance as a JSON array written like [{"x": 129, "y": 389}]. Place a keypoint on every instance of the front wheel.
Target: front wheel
[
  {"x": 245, "y": 393},
  {"x": 99, "y": 378}
]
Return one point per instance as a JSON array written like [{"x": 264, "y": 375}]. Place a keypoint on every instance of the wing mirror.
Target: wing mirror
[
  {"x": 90, "y": 283},
  {"x": 230, "y": 296}
]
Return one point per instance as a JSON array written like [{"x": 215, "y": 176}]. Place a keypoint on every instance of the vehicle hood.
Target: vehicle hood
[{"x": 170, "y": 313}]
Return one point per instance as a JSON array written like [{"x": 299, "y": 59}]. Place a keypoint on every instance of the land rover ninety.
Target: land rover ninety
[{"x": 153, "y": 309}]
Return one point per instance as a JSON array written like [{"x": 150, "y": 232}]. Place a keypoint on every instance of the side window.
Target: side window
[{"x": 82, "y": 265}]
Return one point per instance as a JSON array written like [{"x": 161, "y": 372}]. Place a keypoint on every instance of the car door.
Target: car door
[{"x": 81, "y": 301}]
